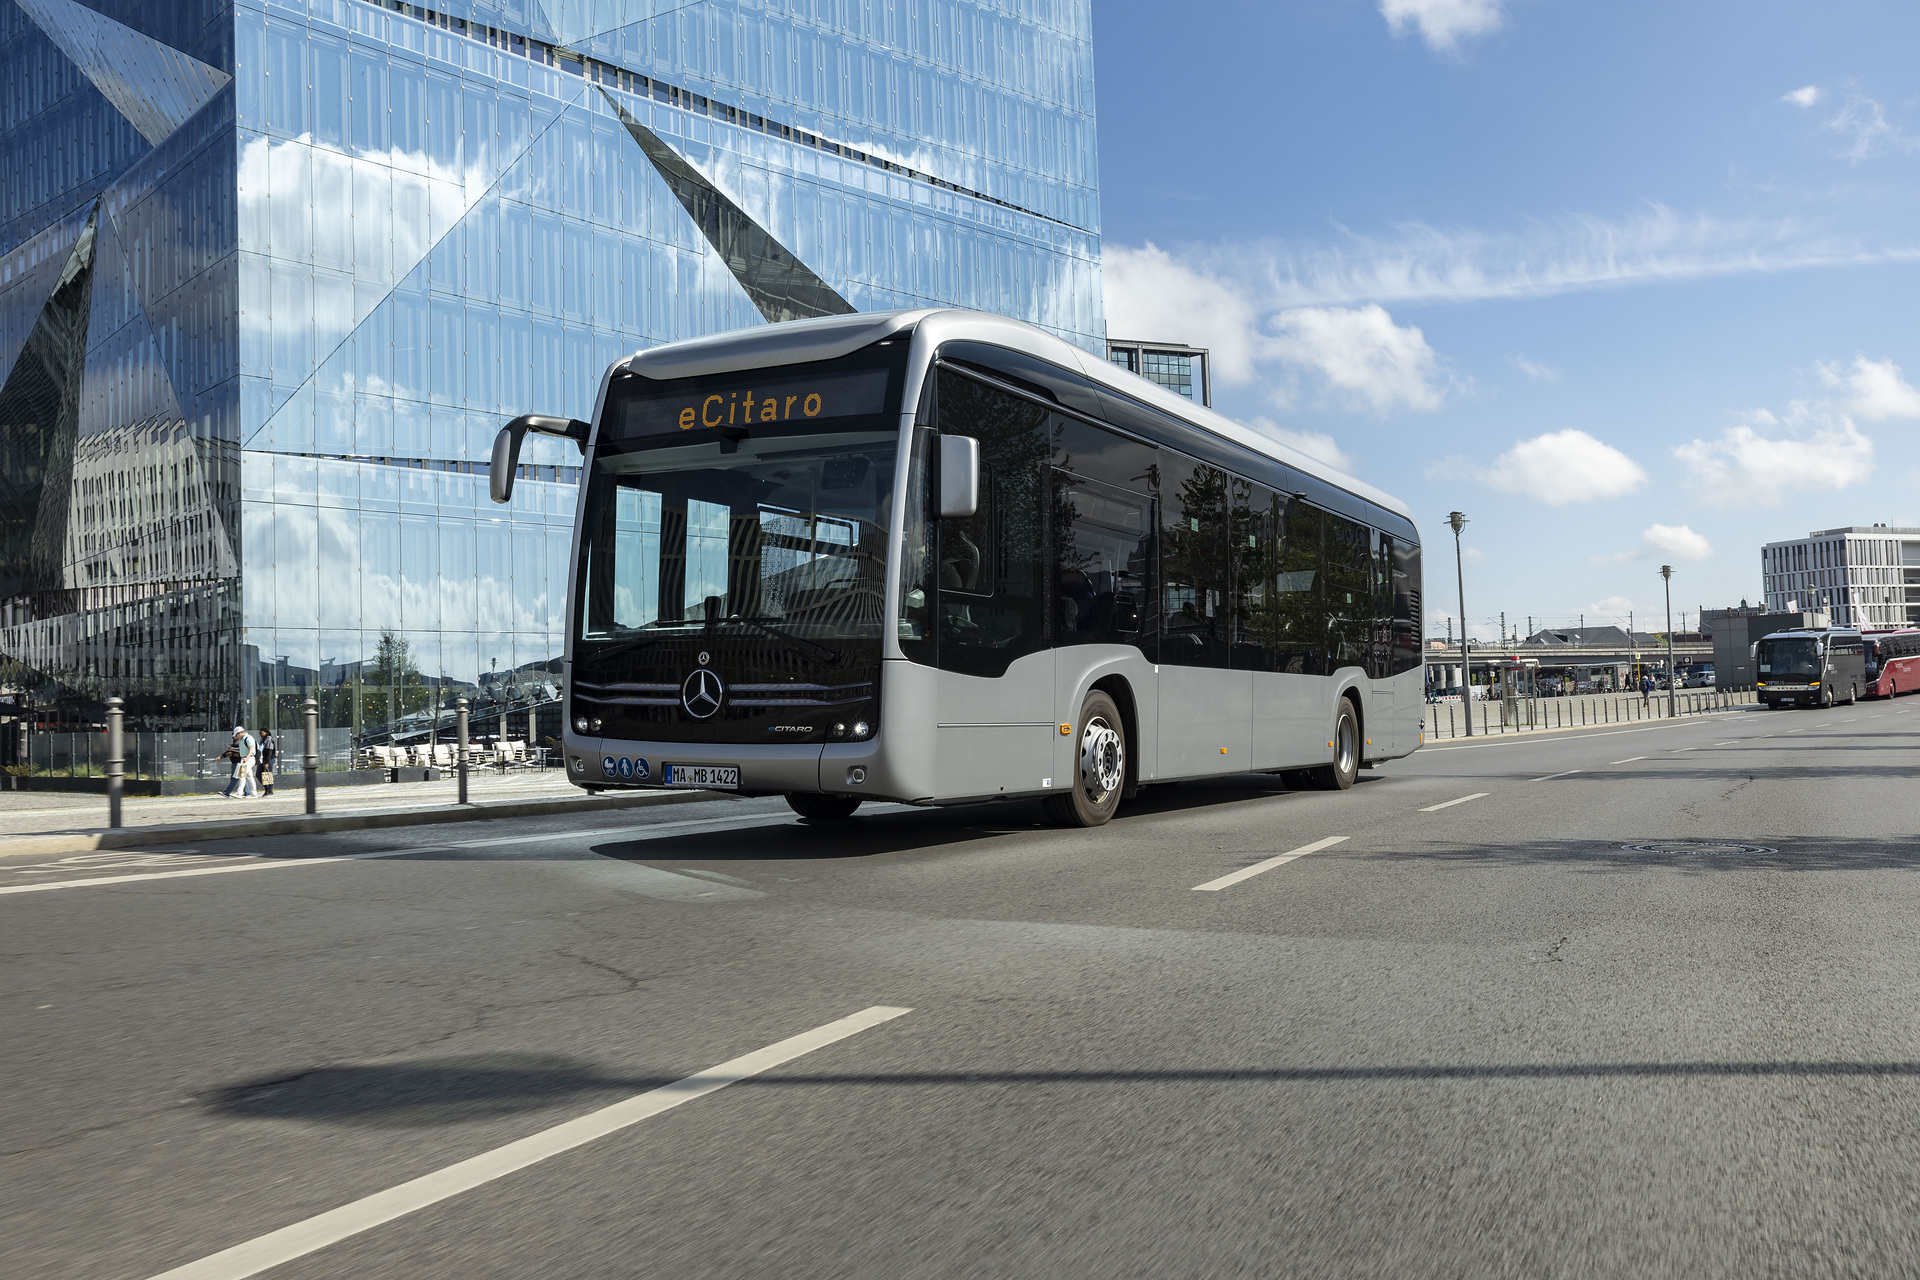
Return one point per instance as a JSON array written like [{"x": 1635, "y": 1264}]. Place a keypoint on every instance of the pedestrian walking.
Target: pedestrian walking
[
  {"x": 243, "y": 754},
  {"x": 268, "y": 750},
  {"x": 1646, "y": 689}
]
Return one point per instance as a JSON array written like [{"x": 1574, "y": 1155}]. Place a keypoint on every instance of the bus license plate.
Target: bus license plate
[{"x": 713, "y": 777}]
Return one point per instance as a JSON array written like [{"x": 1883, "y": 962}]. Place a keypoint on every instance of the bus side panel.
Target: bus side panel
[
  {"x": 1409, "y": 712},
  {"x": 1206, "y": 721},
  {"x": 1079, "y": 666},
  {"x": 900, "y": 758},
  {"x": 1288, "y": 710},
  {"x": 995, "y": 734},
  {"x": 1379, "y": 734}
]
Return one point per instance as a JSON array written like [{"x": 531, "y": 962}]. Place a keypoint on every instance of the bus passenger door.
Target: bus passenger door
[
  {"x": 1382, "y": 727},
  {"x": 1287, "y": 618},
  {"x": 1206, "y": 706},
  {"x": 994, "y": 705}
]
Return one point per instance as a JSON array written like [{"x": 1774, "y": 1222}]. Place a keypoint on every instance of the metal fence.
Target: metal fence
[
  {"x": 1521, "y": 715},
  {"x": 171, "y": 757}
]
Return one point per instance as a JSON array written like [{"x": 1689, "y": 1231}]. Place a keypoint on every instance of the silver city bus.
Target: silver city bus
[{"x": 943, "y": 557}]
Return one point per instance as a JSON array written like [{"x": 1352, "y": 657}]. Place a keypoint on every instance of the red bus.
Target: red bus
[{"x": 1893, "y": 662}]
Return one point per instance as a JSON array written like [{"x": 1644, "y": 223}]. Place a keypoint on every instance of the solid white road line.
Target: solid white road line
[
  {"x": 1629, "y": 760},
  {"x": 267, "y": 864},
  {"x": 1550, "y": 777},
  {"x": 316, "y": 1233},
  {"x": 264, "y": 865},
  {"x": 1248, "y": 873},
  {"x": 1450, "y": 803}
]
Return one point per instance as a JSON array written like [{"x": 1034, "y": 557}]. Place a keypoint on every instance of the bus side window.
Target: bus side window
[
  {"x": 1300, "y": 615},
  {"x": 1349, "y": 593},
  {"x": 990, "y": 579},
  {"x": 1195, "y": 608},
  {"x": 1406, "y": 606},
  {"x": 1103, "y": 558}
]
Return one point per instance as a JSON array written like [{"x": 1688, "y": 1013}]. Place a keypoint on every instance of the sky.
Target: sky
[{"x": 1628, "y": 283}]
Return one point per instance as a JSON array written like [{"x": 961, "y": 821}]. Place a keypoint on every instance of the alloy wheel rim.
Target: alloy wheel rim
[
  {"x": 1103, "y": 759},
  {"x": 1347, "y": 735}
]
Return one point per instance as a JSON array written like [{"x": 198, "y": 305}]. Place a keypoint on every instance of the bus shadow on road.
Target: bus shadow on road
[
  {"x": 1786, "y": 853},
  {"x": 447, "y": 1091},
  {"x": 438, "y": 1091},
  {"x": 906, "y": 831}
]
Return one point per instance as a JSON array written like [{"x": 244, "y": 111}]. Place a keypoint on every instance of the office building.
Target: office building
[
  {"x": 1867, "y": 577},
  {"x": 272, "y": 275},
  {"x": 1180, "y": 369}
]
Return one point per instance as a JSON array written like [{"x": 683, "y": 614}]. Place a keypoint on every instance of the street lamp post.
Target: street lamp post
[
  {"x": 1456, "y": 521},
  {"x": 1666, "y": 574}
]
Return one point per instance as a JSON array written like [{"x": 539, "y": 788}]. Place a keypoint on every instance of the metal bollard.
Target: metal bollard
[
  {"x": 116, "y": 759},
  {"x": 460, "y": 721},
  {"x": 310, "y": 712}
]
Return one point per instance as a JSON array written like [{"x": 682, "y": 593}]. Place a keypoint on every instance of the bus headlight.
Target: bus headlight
[
  {"x": 583, "y": 725},
  {"x": 841, "y": 731}
]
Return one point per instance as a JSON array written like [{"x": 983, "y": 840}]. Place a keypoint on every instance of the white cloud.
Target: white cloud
[
  {"x": 1614, "y": 607},
  {"x": 1878, "y": 390},
  {"x": 1537, "y": 371},
  {"x": 1816, "y": 446},
  {"x": 1415, "y": 262},
  {"x": 1356, "y": 356},
  {"x": 1677, "y": 541},
  {"x": 1863, "y": 120},
  {"x": 1315, "y": 444},
  {"x": 1566, "y": 466},
  {"x": 1805, "y": 96},
  {"x": 1363, "y": 356},
  {"x": 1442, "y": 23},
  {"x": 1153, "y": 296}
]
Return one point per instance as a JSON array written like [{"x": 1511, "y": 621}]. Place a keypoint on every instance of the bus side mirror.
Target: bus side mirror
[
  {"x": 506, "y": 447},
  {"x": 959, "y": 476}
]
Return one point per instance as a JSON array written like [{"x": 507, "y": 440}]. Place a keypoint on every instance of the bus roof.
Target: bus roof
[{"x": 827, "y": 338}]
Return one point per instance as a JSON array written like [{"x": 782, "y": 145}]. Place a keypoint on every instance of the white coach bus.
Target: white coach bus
[{"x": 943, "y": 557}]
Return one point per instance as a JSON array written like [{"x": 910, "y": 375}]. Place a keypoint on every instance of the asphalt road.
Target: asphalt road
[{"x": 1468, "y": 1039}]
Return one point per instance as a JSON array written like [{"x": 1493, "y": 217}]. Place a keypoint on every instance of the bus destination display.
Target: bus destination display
[{"x": 753, "y": 400}]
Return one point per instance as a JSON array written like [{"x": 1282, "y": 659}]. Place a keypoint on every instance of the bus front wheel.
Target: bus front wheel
[
  {"x": 1340, "y": 775},
  {"x": 809, "y": 804},
  {"x": 1099, "y": 767}
]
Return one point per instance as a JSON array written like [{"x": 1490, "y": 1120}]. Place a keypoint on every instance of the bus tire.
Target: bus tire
[
  {"x": 1340, "y": 775},
  {"x": 1099, "y": 767},
  {"x": 811, "y": 804}
]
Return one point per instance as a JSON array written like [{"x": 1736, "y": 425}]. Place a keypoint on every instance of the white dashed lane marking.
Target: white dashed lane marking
[
  {"x": 1448, "y": 804},
  {"x": 1247, "y": 873}
]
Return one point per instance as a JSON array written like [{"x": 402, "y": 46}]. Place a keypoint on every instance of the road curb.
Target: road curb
[{"x": 248, "y": 828}]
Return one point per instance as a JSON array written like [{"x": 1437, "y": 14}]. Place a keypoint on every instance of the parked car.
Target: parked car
[{"x": 1698, "y": 680}]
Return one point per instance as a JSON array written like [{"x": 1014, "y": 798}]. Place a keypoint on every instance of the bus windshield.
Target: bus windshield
[
  {"x": 753, "y": 503},
  {"x": 1790, "y": 659}
]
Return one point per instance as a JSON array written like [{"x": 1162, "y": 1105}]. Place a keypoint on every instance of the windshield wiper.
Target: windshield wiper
[
  {"x": 626, "y": 647},
  {"x": 826, "y": 654}
]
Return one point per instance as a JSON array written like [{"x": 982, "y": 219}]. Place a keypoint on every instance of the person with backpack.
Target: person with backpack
[{"x": 242, "y": 753}]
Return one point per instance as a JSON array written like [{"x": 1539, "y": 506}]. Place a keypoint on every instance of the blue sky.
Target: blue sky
[{"x": 1628, "y": 283}]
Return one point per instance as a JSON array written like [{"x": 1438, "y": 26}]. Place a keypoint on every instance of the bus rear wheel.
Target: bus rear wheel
[
  {"x": 1340, "y": 775},
  {"x": 1099, "y": 767},
  {"x": 811, "y": 804}
]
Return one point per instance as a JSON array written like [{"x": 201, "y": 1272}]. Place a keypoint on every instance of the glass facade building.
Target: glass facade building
[{"x": 272, "y": 275}]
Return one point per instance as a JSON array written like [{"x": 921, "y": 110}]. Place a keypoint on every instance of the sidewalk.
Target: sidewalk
[
  {"x": 43, "y": 822},
  {"x": 1448, "y": 719}
]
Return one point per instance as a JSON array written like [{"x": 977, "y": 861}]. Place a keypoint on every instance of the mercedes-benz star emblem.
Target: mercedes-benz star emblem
[{"x": 701, "y": 694}]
